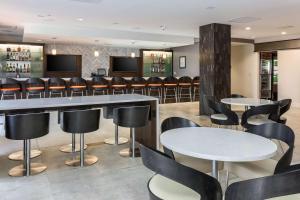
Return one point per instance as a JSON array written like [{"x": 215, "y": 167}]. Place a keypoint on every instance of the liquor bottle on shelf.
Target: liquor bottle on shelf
[
  {"x": 28, "y": 68},
  {"x": 24, "y": 69}
]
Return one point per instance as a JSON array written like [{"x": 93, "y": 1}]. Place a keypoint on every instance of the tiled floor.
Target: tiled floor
[{"x": 113, "y": 177}]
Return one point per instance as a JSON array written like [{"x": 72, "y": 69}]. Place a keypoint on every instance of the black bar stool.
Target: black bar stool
[
  {"x": 78, "y": 85},
  {"x": 108, "y": 114},
  {"x": 10, "y": 88},
  {"x": 35, "y": 87},
  {"x": 80, "y": 122},
  {"x": 131, "y": 117},
  {"x": 57, "y": 86},
  {"x": 26, "y": 127},
  {"x": 170, "y": 88}
]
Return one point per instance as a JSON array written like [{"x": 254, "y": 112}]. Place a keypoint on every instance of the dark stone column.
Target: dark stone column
[{"x": 215, "y": 64}]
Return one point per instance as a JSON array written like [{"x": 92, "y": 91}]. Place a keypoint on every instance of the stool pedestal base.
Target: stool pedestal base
[
  {"x": 35, "y": 168},
  {"x": 128, "y": 153},
  {"x": 111, "y": 141},
  {"x": 68, "y": 148},
  {"x": 19, "y": 155},
  {"x": 88, "y": 160}
]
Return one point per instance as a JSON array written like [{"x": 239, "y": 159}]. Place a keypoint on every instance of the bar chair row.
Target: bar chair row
[{"x": 30, "y": 126}]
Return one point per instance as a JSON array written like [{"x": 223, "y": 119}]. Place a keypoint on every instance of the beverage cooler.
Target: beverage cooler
[
  {"x": 268, "y": 75},
  {"x": 21, "y": 60}
]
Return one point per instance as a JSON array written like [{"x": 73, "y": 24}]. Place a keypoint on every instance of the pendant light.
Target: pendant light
[
  {"x": 96, "y": 52},
  {"x": 132, "y": 54},
  {"x": 53, "y": 50}
]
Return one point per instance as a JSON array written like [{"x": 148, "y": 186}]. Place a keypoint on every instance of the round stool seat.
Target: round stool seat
[{"x": 35, "y": 168}]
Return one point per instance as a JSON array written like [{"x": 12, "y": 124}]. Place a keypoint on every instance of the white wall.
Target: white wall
[
  {"x": 244, "y": 70},
  {"x": 192, "y": 60},
  {"x": 289, "y": 76}
]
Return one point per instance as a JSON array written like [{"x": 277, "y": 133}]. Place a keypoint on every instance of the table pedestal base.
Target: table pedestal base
[{"x": 215, "y": 169}]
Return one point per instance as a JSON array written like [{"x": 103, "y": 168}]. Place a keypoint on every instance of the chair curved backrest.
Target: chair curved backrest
[
  {"x": 185, "y": 79},
  {"x": 279, "y": 132},
  {"x": 173, "y": 123},
  {"x": 196, "y": 79},
  {"x": 10, "y": 83},
  {"x": 154, "y": 80},
  {"x": 34, "y": 82},
  {"x": 99, "y": 81},
  {"x": 56, "y": 82},
  {"x": 284, "y": 106},
  {"x": 278, "y": 185},
  {"x": 138, "y": 80},
  {"x": 77, "y": 81},
  {"x": 205, "y": 185},
  {"x": 236, "y": 96},
  {"x": 272, "y": 110},
  {"x": 220, "y": 108},
  {"x": 132, "y": 117},
  {"x": 170, "y": 79},
  {"x": 118, "y": 81}
]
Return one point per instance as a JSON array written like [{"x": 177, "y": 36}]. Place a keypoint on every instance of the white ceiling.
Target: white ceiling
[{"x": 137, "y": 23}]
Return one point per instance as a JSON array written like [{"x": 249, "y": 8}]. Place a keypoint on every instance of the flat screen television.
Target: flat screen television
[
  {"x": 62, "y": 63},
  {"x": 124, "y": 64}
]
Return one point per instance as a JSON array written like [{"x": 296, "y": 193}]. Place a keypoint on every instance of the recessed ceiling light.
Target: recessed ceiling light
[
  {"x": 164, "y": 44},
  {"x": 39, "y": 40},
  {"x": 96, "y": 40},
  {"x": 163, "y": 27},
  {"x": 210, "y": 8},
  {"x": 133, "y": 42},
  {"x": 79, "y": 19},
  {"x": 115, "y": 23},
  {"x": 248, "y": 28},
  {"x": 136, "y": 28},
  {"x": 283, "y": 33}
]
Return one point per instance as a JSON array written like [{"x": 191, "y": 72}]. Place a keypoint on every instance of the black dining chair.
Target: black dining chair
[
  {"x": 222, "y": 115},
  {"x": 284, "y": 106},
  {"x": 195, "y": 163},
  {"x": 280, "y": 185},
  {"x": 236, "y": 96},
  {"x": 175, "y": 181},
  {"x": 260, "y": 115},
  {"x": 274, "y": 131}
]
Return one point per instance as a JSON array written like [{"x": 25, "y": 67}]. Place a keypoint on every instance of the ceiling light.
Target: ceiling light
[
  {"x": 79, "y": 19},
  {"x": 163, "y": 27},
  {"x": 248, "y": 28},
  {"x": 283, "y": 33},
  {"x": 115, "y": 23},
  {"x": 53, "y": 51},
  {"x": 132, "y": 55},
  {"x": 210, "y": 8},
  {"x": 39, "y": 40}
]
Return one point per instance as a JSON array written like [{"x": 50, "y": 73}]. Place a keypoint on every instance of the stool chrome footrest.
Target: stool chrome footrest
[
  {"x": 35, "y": 168},
  {"x": 111, "y": 141},
  {"x": 19, "y": 155},
  {"x": 88, "y": 161}
]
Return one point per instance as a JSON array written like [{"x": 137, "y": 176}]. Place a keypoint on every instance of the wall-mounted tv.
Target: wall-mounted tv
[
  {"x": 124, "y": 64},
  {"x": 62, "y": 63}
]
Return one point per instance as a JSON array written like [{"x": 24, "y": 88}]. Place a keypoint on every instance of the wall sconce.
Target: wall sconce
[
  {"x": 53, "y": 51},
  {"x": 132, "y": 55},
  {"x": 96, "y": 53}
]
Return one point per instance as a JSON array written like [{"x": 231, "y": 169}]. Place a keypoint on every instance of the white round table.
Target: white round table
[
  {"x": 217, "y": 144},
  {"x": 247, "y": 102}
]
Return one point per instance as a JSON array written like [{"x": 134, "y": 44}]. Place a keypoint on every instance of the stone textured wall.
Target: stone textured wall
[{"x": 90, "y": 63}]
